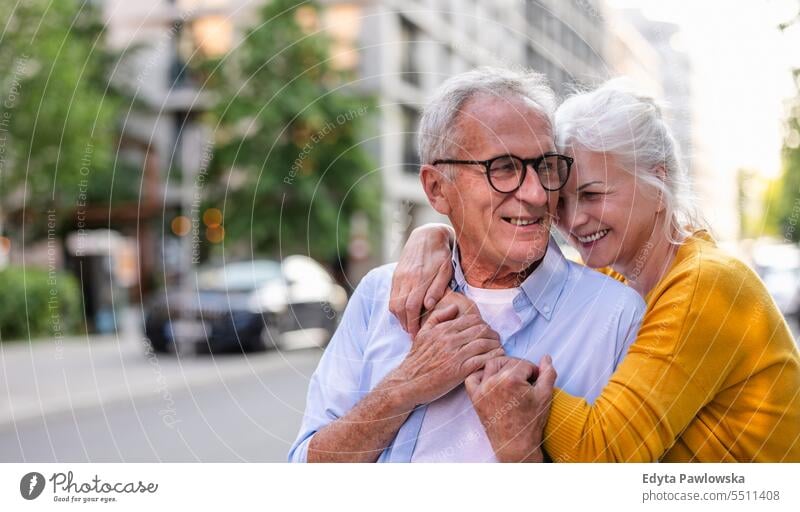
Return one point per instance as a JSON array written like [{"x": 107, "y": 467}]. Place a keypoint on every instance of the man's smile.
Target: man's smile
[{"x": 523, "y": 221}]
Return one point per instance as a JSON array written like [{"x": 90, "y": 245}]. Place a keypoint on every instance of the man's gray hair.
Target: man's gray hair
[{"x": 435, "y": 137}]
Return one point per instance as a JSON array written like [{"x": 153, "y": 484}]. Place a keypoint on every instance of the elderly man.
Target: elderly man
[{"x": 465, "y": 388}]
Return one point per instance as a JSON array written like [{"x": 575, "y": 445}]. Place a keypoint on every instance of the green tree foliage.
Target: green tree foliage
[
  {"x": 36, "y": 303},
  {"x": 58, "y": 115},
  {"x": 289, "y": 157},
  {"x": 783, "y": 196}
]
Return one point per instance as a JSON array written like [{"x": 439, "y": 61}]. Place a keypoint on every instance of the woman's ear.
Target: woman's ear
[
  {"x": 434, "y": 181},
  {"x": 661, "y": 172}
]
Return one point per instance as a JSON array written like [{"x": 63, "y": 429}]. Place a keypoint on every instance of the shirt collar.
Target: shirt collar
[{"x": 540, "y": 289}]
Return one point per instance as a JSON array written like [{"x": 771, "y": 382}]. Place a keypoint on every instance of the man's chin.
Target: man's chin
[{"x": 520, "y": 261}]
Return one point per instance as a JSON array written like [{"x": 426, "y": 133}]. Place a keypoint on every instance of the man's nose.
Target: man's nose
[{"x": 531, "y": 191}]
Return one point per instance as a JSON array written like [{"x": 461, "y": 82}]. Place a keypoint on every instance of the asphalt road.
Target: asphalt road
[
  {"x": 110, "y": 400},
  {"x": 104, "y": 403}
]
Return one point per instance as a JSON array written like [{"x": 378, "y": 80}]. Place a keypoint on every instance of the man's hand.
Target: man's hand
[
  {"x": 465, "y": 305},
  {"x": 512, "y": 398},
  {"x": 449, "y": 347}
]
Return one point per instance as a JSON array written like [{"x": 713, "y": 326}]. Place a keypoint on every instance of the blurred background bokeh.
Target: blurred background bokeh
[{"x": 190, "y": 189}]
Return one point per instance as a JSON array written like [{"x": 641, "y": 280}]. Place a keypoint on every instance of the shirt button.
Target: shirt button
[{"x": 546, "y": 308}]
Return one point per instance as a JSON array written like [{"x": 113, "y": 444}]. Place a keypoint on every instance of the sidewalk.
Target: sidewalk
[{"x": 44, "y": 377}]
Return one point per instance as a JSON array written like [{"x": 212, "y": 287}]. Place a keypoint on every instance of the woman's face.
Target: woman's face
[{"x": 605, "y": 213}]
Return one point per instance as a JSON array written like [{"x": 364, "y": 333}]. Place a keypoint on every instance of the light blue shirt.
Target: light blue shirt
[{"x": 583, "y": 319}]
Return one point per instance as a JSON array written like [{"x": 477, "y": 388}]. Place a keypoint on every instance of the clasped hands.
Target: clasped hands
[{"x": 511, "y": 396}]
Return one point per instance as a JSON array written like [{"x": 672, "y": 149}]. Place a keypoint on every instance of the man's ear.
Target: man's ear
[{"x": 433, "y": 182}]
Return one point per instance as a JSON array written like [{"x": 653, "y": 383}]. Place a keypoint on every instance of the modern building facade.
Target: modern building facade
[
  {"x": 399, "y": 52},
  {"x": 405, "y": 49}
]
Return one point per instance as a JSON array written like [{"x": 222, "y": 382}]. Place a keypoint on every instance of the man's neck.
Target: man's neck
[{"x": 482, "y": 275}]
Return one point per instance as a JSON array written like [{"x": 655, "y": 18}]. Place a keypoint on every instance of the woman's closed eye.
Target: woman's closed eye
[{"x": 591, "y": 195}]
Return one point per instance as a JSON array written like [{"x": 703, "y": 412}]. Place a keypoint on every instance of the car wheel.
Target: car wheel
[{"x": 157, "y": 343}]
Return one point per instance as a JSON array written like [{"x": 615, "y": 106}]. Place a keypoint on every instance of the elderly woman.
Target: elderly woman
[{"x": 714, "y": 374}]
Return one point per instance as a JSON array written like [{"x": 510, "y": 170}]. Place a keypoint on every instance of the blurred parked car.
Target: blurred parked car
[
  {"x": 778, "y": 265},
  {"x": 247, "y": 306}
]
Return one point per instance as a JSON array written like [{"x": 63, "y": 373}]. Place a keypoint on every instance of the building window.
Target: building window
[
  {"x": 409, "y": 126},
  {"x": 409, "y": 55},
  {"x": 442, "y": 73},
  {"x": 533, "y": 59}
]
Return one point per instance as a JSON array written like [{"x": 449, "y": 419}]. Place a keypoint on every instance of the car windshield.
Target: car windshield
[{"x": 243, "y": 276}]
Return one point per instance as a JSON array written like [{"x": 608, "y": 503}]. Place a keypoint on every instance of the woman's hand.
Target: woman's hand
[
  {"x": 512, "y": 398},
  {"x": 422, "y": 274}
]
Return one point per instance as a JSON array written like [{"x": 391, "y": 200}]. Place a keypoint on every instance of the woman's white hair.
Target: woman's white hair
[
  {"x": 436, "y": 136},
  {"x": 616, "y": 120}
]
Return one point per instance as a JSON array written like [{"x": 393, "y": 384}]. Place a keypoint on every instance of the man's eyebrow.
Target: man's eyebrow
[{"x": 587, "y": 184}]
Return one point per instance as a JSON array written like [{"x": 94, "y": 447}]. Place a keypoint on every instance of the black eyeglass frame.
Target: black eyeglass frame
[{"x": 487, "y": 164}]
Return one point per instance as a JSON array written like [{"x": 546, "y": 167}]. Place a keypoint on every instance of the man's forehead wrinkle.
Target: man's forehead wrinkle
[
  {"x": 478, "y": 124},
  {"x": 484, "y": 110}
]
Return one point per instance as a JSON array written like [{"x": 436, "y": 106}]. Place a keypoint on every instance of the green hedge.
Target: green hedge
[{"x": 53, "y": 303}]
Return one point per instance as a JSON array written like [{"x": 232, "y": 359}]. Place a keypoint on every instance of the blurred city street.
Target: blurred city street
[
  {"x": 108, "y": 399},
  {"x": 220, "y": 175}
]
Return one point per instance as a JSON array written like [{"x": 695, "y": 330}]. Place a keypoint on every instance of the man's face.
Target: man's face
[{"x": 506, "y": 231}]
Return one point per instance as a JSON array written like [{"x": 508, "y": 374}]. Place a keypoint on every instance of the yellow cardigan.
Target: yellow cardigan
[{"x": 713, "y": 376}]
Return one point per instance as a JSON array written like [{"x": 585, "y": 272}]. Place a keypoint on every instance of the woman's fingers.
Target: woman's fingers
[
  {"x": 473, "y": 382},
  {"x": 397, "y": 299},
  {"x": 543, "y": 387},
  {"x": 519, "y": 370},
  {"x": 413, "y": 310},
  {"x": 439, "y": 285}
]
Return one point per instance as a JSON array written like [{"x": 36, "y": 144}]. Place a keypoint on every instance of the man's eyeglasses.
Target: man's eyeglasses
[{"x": 507, "y": 172}]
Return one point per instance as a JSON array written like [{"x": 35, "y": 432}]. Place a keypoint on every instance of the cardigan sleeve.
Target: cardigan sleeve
[{"x": 670, "y": 372}]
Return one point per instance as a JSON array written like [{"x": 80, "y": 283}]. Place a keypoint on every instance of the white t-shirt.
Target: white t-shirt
[{"x": 451, "y": 430}]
